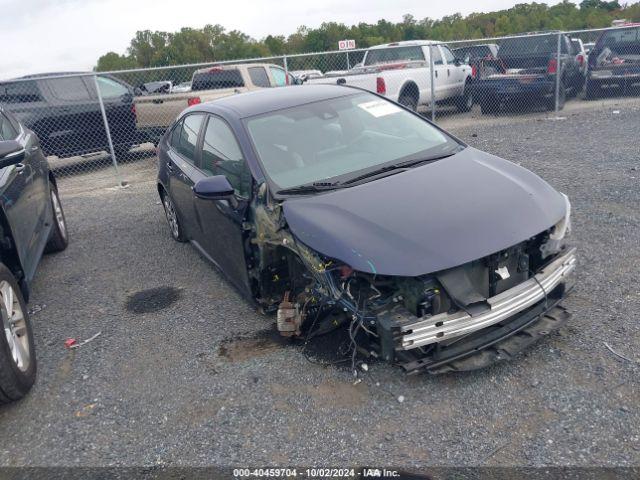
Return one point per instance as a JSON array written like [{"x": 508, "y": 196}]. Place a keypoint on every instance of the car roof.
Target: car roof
[
  {"x": 267, "y": 100},
  {"x": 235, "y": 66},
  {"x": 407, "y": 43}
]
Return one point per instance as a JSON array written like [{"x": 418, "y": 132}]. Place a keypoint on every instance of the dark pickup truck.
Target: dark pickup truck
[
  {"x": 525, "y": 71},
  {"x": 63, "y": 110},
  {"x": 614, "y": 62}
]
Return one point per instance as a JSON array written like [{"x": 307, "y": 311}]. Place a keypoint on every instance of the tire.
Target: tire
[
  {"x": 59, "y": 237},
  {"x": 593, "y": 90},
  {"x": 171, "y": 214},
  {"x": 465, "y": 102},
  {"x": 562, "y": 98},
  {"x": 489, "y": 106},
  {"x": 17, "y": 349},
  {"x": 123, "y": 152},
  {"x": 409, "y": 101}
]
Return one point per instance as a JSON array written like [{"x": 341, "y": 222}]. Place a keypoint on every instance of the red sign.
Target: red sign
[{"x": 346, "y": 44}]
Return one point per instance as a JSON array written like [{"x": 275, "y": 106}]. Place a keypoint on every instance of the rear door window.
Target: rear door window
[
  {"x": 69, "y": 89},
  {"x": 259, "y": 76},
  {"x": 7, "y": 130},
  {"x": 187, "y": 137},
  {"x": 217, "y": 78},
  {"x": 20, "y": 92},
  {"x": 437, "y": 56}
]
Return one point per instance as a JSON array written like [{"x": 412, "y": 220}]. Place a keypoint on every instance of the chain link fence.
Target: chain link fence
[{"x": 90, "y": 121}]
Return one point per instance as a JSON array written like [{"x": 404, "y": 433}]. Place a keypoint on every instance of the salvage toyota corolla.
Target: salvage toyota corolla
[{"x": 337, "y": 208}]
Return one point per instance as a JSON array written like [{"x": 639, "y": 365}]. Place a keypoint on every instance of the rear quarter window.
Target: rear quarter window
[
  {"x": 217, "y": 78},
  {"x": 20, "y": 92},
  {"x": 259, "y": 77}
]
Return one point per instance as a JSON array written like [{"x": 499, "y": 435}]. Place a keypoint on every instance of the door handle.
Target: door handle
[
  {"x": 436, "y": 73},
  {"x": 20, "y": 167},
  {"x": 448, "y": 73}
]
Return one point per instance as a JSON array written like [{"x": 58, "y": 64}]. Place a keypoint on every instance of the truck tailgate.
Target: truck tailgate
[{"x": 160, "y": 110}]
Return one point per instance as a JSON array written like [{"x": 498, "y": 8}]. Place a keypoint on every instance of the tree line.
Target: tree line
[{"x": 215, "y": 43}]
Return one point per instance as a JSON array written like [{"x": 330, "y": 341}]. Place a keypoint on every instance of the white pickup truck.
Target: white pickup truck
[{"x": 401, "y": 72}]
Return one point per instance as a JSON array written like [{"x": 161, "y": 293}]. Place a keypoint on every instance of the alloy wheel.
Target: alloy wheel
[
  {"x": 59, "y": 215},
  {"x": 15, "y": 326},
  {"x": 172, "y": 216}
]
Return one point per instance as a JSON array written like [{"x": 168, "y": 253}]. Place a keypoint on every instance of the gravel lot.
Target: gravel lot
[{"x": 202, "y": 381}]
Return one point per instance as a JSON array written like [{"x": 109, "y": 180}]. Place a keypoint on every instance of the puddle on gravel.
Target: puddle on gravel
[
  {"x": 325, "y": 350},
  {"x": 152, "y": 300}
]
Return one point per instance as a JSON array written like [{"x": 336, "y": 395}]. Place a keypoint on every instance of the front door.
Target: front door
[
  {"x": 18, "y": 195},
  {"x": 221, "y": 234}
]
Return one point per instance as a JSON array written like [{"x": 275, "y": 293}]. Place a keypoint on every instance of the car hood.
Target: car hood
[{"x": 430, "y": 218}]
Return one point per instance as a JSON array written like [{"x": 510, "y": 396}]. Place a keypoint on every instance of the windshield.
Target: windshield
[
  {"x": 622, "y": 42},
  {"x": 340, "y": 138},
  {"x": 393, "y": 54},
  {"x": 535, "y": 44}
]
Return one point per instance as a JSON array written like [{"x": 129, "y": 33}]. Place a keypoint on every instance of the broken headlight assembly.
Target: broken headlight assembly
[{"x": 558, "y": 233}]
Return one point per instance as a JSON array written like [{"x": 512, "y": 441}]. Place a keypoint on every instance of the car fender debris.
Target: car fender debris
[
  {"x": 70, "y": 342},
  {"x": 618, "y": 354}
]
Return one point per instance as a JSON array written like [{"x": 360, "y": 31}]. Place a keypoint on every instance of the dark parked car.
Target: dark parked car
[
  {"x": 614, "y": 62},
  {"x": 31, "y": 222},
  {"x": 479, "y": 57},
  {"x": 64, "y": 112},
  {"x": 333, "y": 206},
  {"x": 526, "y": 71}
]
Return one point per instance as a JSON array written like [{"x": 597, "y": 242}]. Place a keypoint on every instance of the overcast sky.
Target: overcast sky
[{"x": 59, "y": 35}]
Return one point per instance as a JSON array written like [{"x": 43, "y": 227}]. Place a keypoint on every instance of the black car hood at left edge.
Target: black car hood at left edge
[{"x": 429, "y": 218}]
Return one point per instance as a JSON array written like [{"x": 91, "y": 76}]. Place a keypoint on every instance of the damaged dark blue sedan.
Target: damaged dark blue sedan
[{"x": 337, "y": 208}]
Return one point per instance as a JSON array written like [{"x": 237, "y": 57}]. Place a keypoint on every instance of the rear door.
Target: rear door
[
  {"x": 181, "y": 167},
  {"x": 441, "y": 81},
  {"x": 75, "y": 122},
  {"x": 456, "y": 74}
]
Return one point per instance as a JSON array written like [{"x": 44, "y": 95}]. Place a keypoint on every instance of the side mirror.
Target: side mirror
[
  {"x": 458, "y": 61},
  {"x": 11, "y": 153},
  {"x": 214, "y": 188}
]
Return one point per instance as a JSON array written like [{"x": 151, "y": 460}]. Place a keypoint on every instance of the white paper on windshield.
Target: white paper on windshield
[{"x": 379, "y": 108}]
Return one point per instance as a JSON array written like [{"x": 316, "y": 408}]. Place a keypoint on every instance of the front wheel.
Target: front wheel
[
  {"x": 17, "y": 349},
  {"x": 59, "y": 238}
]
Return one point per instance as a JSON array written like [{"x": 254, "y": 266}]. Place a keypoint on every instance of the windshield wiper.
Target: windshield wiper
[
  {"x": 398, "y": 167},
  {"x": 310, "y": 188}
]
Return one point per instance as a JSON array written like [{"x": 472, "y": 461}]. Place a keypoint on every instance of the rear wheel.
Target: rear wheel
[
  {"x": 562, "y": 97},
  {"x": 175, "y": 227},
  {"x": 489, "y": 105},
  {"x": 17, "y": 350},
  {"x": 409, "y": 101},
  {"x": 464, "y": 103},
  {"x": 59, "y": 238},
  {"x": 593, "y": 90}
]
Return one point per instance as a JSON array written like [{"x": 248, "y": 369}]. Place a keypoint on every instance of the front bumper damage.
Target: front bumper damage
[{"x": 437, "y": 342}]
